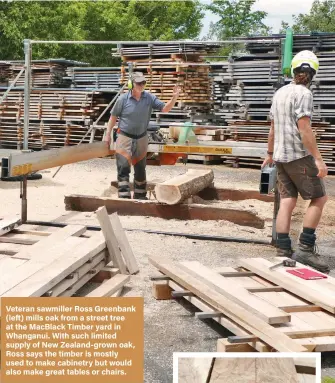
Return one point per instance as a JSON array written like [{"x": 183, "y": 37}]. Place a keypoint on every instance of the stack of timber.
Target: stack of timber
[
  {"x": 167, "y": 65},
  {"x": 5, "y": 72},
  {"x": 241, "y": 370},
  {"x": 45, "y": 73},
  {"x": 266, "y": 310},
  {"x": 57, "y": 117},
  {"x": 244, "y": 87},
  {"x": 94, "y": 78},
  {"x": 59, "y": 261}
]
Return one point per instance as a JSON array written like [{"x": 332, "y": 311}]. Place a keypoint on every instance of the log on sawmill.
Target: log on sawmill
[{"x": 178, "y": 189}]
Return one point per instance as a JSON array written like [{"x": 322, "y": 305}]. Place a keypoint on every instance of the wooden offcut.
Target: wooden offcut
[
  {"x": 180, "y": 188},
  {"x": 110, "y": 287}
]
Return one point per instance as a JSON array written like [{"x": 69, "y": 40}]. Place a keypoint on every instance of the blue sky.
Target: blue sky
[{"x": 277, "y": 10}]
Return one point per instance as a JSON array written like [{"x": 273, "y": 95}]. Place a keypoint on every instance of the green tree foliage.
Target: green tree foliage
[
  {"x": 92, "y": 20},
  {"x": 236, "y": 19},
  {"x": 320, "y": 19}
]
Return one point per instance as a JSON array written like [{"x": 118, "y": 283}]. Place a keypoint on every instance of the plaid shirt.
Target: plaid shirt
[{"x": 290, "y": 103}]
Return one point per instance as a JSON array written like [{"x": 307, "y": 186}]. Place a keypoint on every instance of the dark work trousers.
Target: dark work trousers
[{"x": 131, "y": 151}]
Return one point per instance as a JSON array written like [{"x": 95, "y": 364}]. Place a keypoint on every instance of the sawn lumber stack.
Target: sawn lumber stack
[{"x": 266, "y": 310}]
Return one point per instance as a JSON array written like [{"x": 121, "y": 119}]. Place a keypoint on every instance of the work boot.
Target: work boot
[
  {"x": 287, "y": 253},
  {"x": 308, "y": 255}
]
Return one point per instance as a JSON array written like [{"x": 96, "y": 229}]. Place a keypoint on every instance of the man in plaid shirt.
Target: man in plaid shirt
[{"x": 300, "y": 168}]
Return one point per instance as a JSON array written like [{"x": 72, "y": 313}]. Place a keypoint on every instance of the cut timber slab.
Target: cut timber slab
[
  {"x": 125, "y": 247},
  {"x": 180, "y": 188},
  {"x": 111, "y": 239},
  {"x": 229, "y": 370},
  {"x": 110, "y": 287},
  {"x": 153, "y": 209},
  {"x": 241, "y": 316},
  {"x": 322, "y": 295},
  {"x": 237, "y": 294},
  {"x": 7, "y": 225},
  {"x": 276, "y": 370},
  {"x": 194, "y": 370}
]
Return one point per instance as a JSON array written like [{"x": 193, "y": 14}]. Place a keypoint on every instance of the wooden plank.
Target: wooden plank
[
  {"x": 110, "y": 286},
  {"x": 57, "y": 236},
  {"x": 307, "y": 290},
  {"x": 6, "y": 225},
  {"x": 8, "y": 264},
  {"x": 41, "y": 257},
  {"x": 238, "y": 314},
  {"x": 224, "y": 346},
  {"x": 276, "y": 370},
  {"x": 125, "y": 247},
  {"x": 235, "y": 293},
  {"x": 111, "y": 240},
  {"x": 69, "y": 259},
  {"x": 19, "y": 241}
]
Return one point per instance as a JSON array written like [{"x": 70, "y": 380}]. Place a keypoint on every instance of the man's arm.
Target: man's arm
[
  {"x": 170, "y": 104},
  {"x": 271, "y": 143},
  {"x": 309, "y": 141}
]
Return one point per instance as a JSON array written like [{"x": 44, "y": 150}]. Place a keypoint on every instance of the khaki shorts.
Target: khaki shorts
[{"x": 300, "y": 176}]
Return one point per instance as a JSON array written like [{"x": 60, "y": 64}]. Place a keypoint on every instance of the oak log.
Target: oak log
[{"x": 178, "y": 189}]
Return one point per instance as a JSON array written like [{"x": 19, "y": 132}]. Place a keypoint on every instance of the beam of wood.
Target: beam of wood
[
  {"x": 208, "y": 315},
  {"x": 236, "y": 293},
  {"x": 276, "y": 370},
  {"x": 309, "y": 290},
  {"x": 44, "y": 243},
  {"x": 238, "y": 314},
  {"x": 178, "y": 189},
  {"x": 32, "y": 232},
  {"x": 26, "y": 163},
  {"x": 224, "y": 346},
  {"x": 111, "y": 239},
  {"x": 110, "y": 286},
  {"x": 242, "y": 339},
  {"x": 8, "y": 225},
  {"x": 300, "y": 309},
  {"x": 125, "y": 247},
  {"x": 40, "y": 257},
  {"x": 154, "y": 209},
  {"x": 237, "y": 274},
  {"x": 275, "y": 289},
  {"x": 18, "y": 241},
  {"x": 305, "y": 365}
]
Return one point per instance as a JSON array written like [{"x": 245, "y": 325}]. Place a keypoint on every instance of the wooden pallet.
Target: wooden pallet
[{"x": 251, "y": 302}]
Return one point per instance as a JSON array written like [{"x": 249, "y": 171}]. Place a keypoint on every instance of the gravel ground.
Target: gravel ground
[{"x": 169, "y": 326}]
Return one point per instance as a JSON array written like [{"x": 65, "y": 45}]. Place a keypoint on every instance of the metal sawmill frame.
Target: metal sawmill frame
[{"x": 27, "y": 85}]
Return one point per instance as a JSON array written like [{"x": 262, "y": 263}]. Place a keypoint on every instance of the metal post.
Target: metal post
[{"x": 27, "y": 86}]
